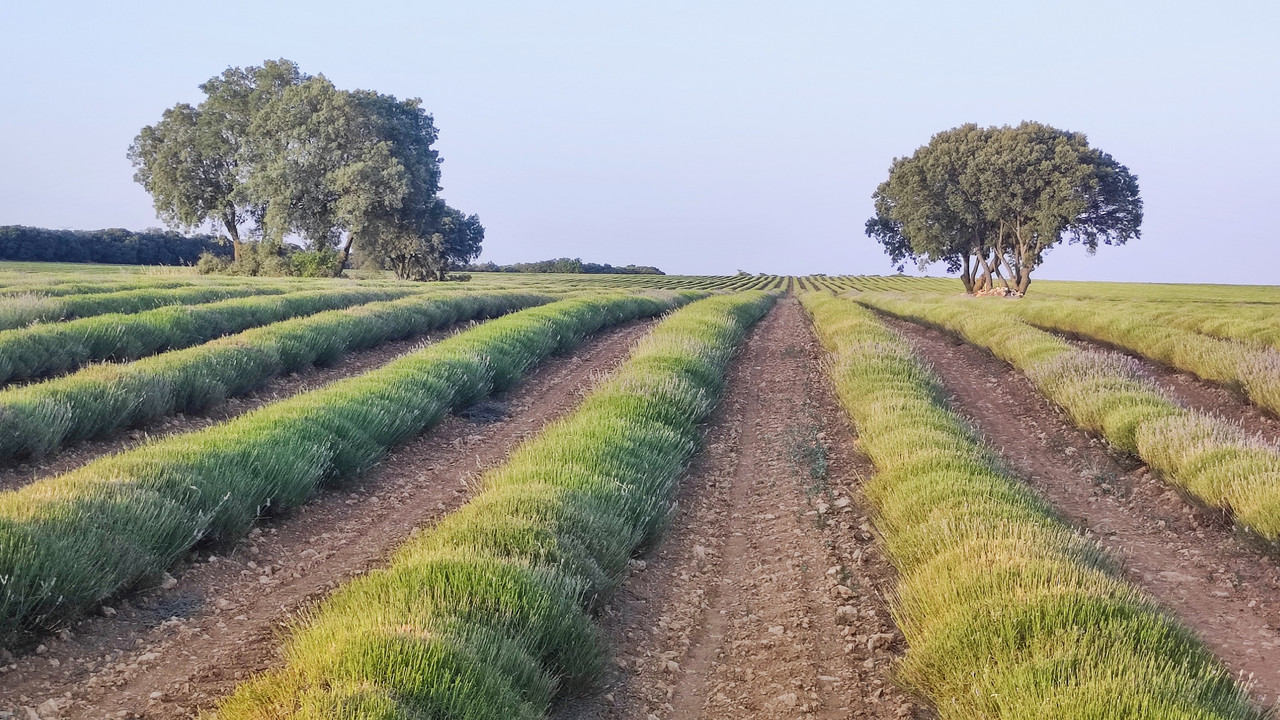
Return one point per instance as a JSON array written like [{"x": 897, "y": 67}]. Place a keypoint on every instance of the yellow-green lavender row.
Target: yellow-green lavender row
[
  {"x": 1250, "y": 323},
  {"x": 486, "y": 617},
  {"x": 1256, "y": 324},
  {"x": 69, "y": 542},
  {"x": 1206, "y": 456},
  {"x": 43, "y": 350},
  {"x": 37, "y": 419},
  {"x": 24, "y": 309},
  {"x": 1249, "y": 368},
  {"x": 1007, "y": 612}
]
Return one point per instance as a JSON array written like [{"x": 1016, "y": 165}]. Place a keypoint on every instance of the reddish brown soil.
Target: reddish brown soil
[
  {"x": 1189, "y": 559},
  {"x": 169, "y": 652},
  {"x": 734, "y": 614},
  {"x": 277, "y": 388},
  {"x": 1200, "y": 395}
]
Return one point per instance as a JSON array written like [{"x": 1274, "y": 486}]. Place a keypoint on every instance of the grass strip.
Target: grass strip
[
  {"x": 37, "y": 419},
  {"x": 1246, "y": 368},
  {"x": 1207, "y": 457},
  {"x": 52, "y": 349},
  {"x": 1007, "y": 612},
  {"x": 26, "y": 309},
  {"x": 69, "y": 542},
  {"x": 486, "y": 616}
]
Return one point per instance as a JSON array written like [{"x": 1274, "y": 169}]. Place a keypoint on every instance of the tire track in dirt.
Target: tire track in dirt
[
  {"x": 277, "y": 388},
  {"x": 766, "y": 597},
  {"x": 174, "y": 650},
  {"x": 1188, "y": 558}
]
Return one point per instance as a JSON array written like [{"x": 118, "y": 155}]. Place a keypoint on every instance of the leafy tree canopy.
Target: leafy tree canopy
[
  {"x": 992, "y": 202},
  {"x": 194, "y": 161},
  {"x": 294, "y": 156},
  {"x": 453, "y": 241}
]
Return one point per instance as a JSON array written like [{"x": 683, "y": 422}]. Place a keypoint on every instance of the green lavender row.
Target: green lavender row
[
  {"x": 1205, "y": 456},
  {"x": 486, "y": 617},
  {"x": 1007, "y": 612},
  {"x": 37, "y": 419},
  {"x": 43, "y": 350},
  {"x": 21, "y": 310},
  {"x": 69, "y": 542},
  {"x": 54, "y": 286}
]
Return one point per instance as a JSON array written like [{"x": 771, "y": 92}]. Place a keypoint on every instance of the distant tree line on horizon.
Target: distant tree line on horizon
[
  {"x": 273, "y": 155},
  {"x": 564, "y": 265},
  {"x": 114, "y": 246}
]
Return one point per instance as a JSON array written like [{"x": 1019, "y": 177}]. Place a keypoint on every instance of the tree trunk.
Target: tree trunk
[
  {"x": 986, "y": 283},
  {"x": 343, "y": 253},
  {"x": 983, "y": 278},
  {"x": 234, "y": 232},
  {"x": 1009, "y": 269},
  {"x": 1024, "y": 282},
  {"x": 966, "y": 277},
  {"x": 1020, "y": 268}
]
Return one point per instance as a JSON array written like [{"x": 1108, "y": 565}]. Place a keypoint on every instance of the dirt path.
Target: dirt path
[
  {"x": 172, "y": 651},
  {"x": 277, "y": 388},
  {"x": 740, "y": 610},
  {"x": 1196, "y": 394},
  {"x": 1187, "y": 558}
]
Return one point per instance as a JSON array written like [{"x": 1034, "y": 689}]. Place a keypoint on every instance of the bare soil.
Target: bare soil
[
  {"x": 171, "y": 651},
  {"x": 766, "y": 598},
  {"x": 1188, "y": 558},
  {"x": 73, "y": 455}
]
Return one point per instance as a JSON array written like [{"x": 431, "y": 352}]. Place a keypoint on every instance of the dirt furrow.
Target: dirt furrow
[
  {"x": 765, "y": 599},
  {"x": 1190, "y": 559},
  {"x": 275, "y": 389},
  {"x": 179, "y": 647},
  {"x": 1196, "y": 394}
]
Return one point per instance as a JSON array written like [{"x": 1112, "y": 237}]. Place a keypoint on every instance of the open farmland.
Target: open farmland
[{"x": 635, "y": 496}]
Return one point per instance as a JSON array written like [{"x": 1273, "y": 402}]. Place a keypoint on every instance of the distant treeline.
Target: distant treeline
[
  {"x": 564, "y": 265},
  {"x": 114, "y": 246}
]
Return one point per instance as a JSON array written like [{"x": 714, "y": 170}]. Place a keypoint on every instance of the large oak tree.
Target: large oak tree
[
  {"x": 298, "y": 157},
  {"x": 991, "y": 202},
  {"x": 194, "y": 162},
  {"x": 454, "y": 241}
]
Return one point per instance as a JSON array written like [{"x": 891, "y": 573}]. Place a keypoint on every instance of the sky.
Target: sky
[{"x": 701, "y": 137}]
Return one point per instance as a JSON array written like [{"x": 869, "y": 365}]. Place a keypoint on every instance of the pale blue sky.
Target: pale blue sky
[{"x": 701, "y": 137}]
